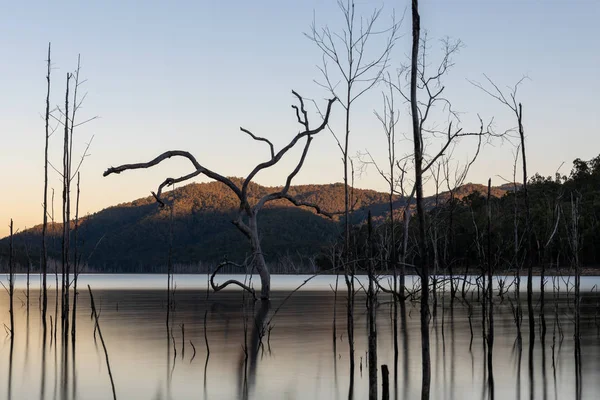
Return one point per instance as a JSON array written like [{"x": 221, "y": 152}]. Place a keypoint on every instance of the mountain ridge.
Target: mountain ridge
[{"x": 133, "y": 236}]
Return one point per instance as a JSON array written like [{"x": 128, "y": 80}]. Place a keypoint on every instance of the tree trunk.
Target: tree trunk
[
  {"x": 44, "y": 255},
  {"x": 349, "y": 266},
  {"x": 453, "y": 286},
  {"x": 528, "y": 258},
  {"x": 75, "y": 267},
  {"x": 385, "y": 386},
  {"x": 490, "y": 335},
  {"x": 404, "y": 251},
  {"x": 11, "y": 282},
  {"x": 394, "y": 257},
  {"x": 258, "y": 258},
  {"x": 372, "y": 322},
  {"x": 418, "y": 149},
  {"x": 517, "y": 263},
  {"x": 66, "y": 218}
]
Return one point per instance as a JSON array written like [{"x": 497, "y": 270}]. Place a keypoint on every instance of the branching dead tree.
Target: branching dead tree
[
  {"x": 389, "y": 119},
  {"x": 453, "y": 182},
  {"x": 246, "y": 220},
  {"x": 510, "y": 100},
  {"x": 354, "y": 73},
  {"x": 428, "y": 86},
  {"x": 418, "y": 160},
  {"x": 353, "y": 68},
  {"x": 67, "y": 120},
  {"x": 517, "y": 259}
]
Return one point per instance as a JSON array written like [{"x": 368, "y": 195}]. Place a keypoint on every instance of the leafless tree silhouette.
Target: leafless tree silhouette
[
  {"x": 510, "y": 100},
  {"x": 246, "y": 220},
  {"x": 425, "y": 95},
  {"x": 357, "y": 66}
]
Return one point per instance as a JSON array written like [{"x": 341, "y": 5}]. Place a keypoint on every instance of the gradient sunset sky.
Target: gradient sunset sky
[{"x": 187, "y": 74}]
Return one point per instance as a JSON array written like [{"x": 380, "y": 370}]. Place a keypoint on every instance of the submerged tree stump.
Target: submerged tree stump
[{"x": 385, "y": 382}]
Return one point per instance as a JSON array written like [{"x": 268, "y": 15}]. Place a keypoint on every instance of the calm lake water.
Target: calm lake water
[{"x": 297, "y": 358}]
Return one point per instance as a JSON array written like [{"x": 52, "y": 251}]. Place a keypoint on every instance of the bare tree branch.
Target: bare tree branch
[
  {"x": 171, "y": 182},
  {"x": 318, "y": 209},
  {"x": 217, "y": 287},
  {"x": 260, "y": 139},
  {"x": 176, "y": 153},
  {"x": 274, "y": 160},
  {"x": 85, "y": 154}
]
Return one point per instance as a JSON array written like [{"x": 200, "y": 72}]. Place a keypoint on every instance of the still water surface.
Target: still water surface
[{"x": 297, "y": 358}]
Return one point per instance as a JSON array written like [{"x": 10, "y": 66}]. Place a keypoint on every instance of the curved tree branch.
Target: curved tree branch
[
  {"x": 217, "y": 287},
  {"x": 260, "y": 139},
  {"x": 177, "y": 153},
  {"x": 304, "y": 120},
  {"x": 319, "y": 210},
  {"x": 171, "y": 182},
  {"x": 458, "y": 133}
]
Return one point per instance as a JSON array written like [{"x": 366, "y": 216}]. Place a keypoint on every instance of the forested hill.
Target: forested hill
[{"x": 135, "y": 236}]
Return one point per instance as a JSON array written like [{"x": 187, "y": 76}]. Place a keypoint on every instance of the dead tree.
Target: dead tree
[
  {"x": 490, "y": 333},
  {"x": 67, "y": 118},
  {"x": 357, "y": 73},
  {"x": 11, "y": 281},
  {"x": 372, "y": 313},
  {"x": 510, "y": 101},
  {"x": 66, "y": 210},
  {"x": 429, "y": 86},
  {"x": 28, "y": 272},
  {"x": 406, "y": 215},
  {"x": 44, "y": 255},
  {"x": 433, "y": 228},
  {"x": 170, "y": 284},
  {"x": 418, "y": 160},
  {"x": 453, "y": 182},
  {"x": 389, "y": 119},
  {"x": 517, "y": 262},
  {"x": 76, "y": 265},
  {"x": 55, "y": 283},
  {"x": 574, "y": 237},
  {"x": 247, "y": 221},
  {"x": 556, "y": 216}
]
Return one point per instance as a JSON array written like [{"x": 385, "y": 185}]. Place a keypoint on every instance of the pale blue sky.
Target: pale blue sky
[{"x": 186, "y": 75}]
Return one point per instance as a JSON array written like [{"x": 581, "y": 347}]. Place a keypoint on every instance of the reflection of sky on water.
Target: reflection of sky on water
[
  {"x": 301, "y": 363},
  {"x": 279, "y": 282}
]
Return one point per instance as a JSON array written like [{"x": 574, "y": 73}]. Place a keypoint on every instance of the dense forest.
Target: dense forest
[
  {"x": 134, "y": 237},
  {"x": 564, "y": 213}
]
